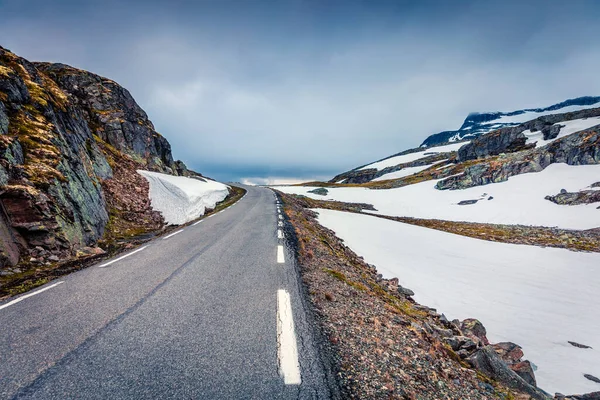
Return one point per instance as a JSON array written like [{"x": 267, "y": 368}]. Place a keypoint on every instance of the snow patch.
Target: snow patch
[
  {"x": 180, "y": 199},
  {"x": 539, "y": 298}
]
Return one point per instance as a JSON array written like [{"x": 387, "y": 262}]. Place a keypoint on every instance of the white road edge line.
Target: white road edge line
[
  {"x": 287, "y": 348},
  {"x": 280, "y": 256},
  {"x": 173, "y": 234},
  {"x": 280, "y": 223},
  {"x": 279, "y": 234},
  {"x": 15, "y": 301},
  {"x": 122, "y": 257},
  {"x": 280, "y": 216},
  {"x": 196, "y": 223}
]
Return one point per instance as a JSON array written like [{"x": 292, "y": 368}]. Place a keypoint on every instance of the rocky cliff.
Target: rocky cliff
[{"x": 70, "y": 142}]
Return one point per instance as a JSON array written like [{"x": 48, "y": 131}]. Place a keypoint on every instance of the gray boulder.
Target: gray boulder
[{"x": 489, "y": 363}]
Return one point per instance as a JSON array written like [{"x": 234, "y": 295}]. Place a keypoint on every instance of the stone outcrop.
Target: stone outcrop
[
  {"x": 574, "y": 198},
  {"x": 64, "y": 134},
  {"x": 580, "y": 148}
]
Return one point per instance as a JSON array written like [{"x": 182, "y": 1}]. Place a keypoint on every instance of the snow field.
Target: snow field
[{"x": 539, "y": 298}]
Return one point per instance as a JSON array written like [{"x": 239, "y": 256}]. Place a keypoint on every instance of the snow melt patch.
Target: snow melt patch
[
  {"x": 180, "y": 199},
  {"x": 539, "y": 298},
  {"x": 406, "y": 158},
  {"x": 520, "y": 200}
]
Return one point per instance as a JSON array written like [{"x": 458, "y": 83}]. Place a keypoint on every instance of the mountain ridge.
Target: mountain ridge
[{"x": 478, "y": 123}]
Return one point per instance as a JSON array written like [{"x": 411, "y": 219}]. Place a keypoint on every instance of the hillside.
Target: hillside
[
  {"x": 504, "y": 228},
  {"x": 71, "y": 143}
]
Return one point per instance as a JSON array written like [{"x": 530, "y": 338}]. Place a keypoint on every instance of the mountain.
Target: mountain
[
  {"x": 477, "y": 124},
  {"x": 540, "y": 125},
  {"x": 70, "y": 144}
]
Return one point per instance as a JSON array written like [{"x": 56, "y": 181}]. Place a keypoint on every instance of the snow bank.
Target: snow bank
[
  {"x": 520, "y": 200},
  {"x": 390, "y": 162},
  {"x": 539, "y": 298},
  {"x": 182, "y": 199}
]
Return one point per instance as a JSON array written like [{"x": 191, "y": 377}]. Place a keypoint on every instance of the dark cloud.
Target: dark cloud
[{"x": 310, "y": 88}]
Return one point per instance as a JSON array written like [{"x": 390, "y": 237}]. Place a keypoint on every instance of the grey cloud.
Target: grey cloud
[{"x": 298, "y": 90}]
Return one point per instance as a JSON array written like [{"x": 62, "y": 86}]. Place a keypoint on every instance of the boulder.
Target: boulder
[
  {"x": 474, "y": 328},
  {"x": 405, "y": 291},
  {"x": 592, "y": 378},
  {"x": 319, "y": 191},
  {"x": 525, "y": 370},
  {"x": 509, "y": 352},
  {"x": 461, "y": 343},
  {"x": 489, "y": 363}
]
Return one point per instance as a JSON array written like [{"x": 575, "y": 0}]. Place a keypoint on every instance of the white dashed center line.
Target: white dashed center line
[
  {"x": 122, "y": 257},
  {"x": 15, "y": 301},
  {"x": 196, "y": 223},
  {"x": 280, "y": 256},
  {"x": 287, "y": 348},
  {"x": 173, "y": 234}
]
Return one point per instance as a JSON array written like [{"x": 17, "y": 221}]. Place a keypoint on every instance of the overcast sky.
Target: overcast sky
[{"x": 307, "y": 89}]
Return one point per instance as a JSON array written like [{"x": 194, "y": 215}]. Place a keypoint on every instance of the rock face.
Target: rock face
[
  {"x": 581, "y": 148},
  {"x": 512, "y": 139},
  {"x": 63, "y": 134}
]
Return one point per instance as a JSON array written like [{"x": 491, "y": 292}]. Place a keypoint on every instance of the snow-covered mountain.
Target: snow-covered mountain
[{"x": 479, "y": 123}]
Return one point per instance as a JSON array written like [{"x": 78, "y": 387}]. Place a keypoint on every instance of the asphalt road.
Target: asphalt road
[{"x": 195, "y": 315}]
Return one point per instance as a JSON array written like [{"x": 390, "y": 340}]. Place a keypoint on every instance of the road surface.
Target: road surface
[{"x": 212, "y": 311}]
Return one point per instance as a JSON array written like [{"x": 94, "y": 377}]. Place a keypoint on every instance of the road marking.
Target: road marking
[
  {"x": 196, "y": 223},
  {"x": 279, "y": 234},
  {"x": 122, "y": 257},
  {"x": 15, "y": 301},
  {"x": 280, "y": 223},
  {"x": 280, "y": 216},
  {"x": 280, "y": 257},
  {"x": 173, "y": 234},
  {"x": 287, "y": 348}
]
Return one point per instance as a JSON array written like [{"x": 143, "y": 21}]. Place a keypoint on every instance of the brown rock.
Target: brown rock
[
  {"x": 474, "y": 328},
  {"x": 509, "y": 352}
]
